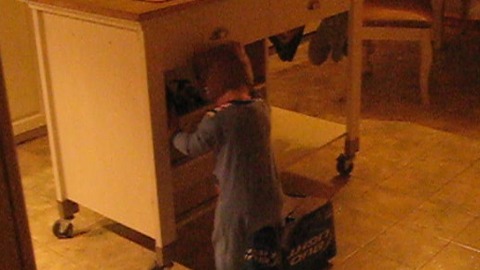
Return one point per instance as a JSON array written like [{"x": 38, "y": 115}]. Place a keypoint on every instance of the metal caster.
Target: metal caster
[
  {"x": 344, "y": 165},
  {"x": 63, "y": 229}
]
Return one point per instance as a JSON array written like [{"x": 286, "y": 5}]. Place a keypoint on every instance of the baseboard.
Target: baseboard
[
  {"x": 29, "y": 128},
  {"x": 30, "y": 135}
]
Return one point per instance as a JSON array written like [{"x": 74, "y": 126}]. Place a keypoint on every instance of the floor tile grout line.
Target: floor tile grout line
[
  {"x": 436, "y": 254},
  {"x": 466, "y": 246}
]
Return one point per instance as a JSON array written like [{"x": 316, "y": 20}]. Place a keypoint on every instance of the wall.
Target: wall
[{"x": 17, "y": 47}]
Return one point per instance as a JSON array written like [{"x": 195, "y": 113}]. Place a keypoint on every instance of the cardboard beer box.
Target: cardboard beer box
[{"x": 308, "y": 239}]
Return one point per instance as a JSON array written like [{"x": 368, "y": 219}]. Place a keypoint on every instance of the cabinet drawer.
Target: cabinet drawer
[
  {"x": 193, "y": 197},
  {"x": 193, "y": 183},
  {"x": 240, "y": 20},
  {"x": 193, "y": 170},
  {"x": 288, "y": 14}
]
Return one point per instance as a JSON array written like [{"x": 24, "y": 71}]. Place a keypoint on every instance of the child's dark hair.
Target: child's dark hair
[{"x": 226, "y": 62}]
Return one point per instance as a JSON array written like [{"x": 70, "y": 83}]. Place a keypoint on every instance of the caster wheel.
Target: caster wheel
[
  {"x": 344, "y": 165},
  {"x": 62, "y": 229}
]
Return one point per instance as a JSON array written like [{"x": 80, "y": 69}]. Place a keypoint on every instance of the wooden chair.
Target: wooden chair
[{"x": 411, "y": 20}]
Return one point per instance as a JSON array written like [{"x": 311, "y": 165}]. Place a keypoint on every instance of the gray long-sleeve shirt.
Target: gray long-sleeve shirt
[{"x": 239, "y": 133}]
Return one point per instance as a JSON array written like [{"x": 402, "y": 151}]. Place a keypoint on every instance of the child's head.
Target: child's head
[{"x": 222, "y": 68}]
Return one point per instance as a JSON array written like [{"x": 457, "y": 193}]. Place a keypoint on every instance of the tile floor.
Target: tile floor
[{"x": 412, "y": 202}]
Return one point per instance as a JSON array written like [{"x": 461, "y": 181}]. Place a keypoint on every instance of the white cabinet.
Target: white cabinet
[{"x": 103, "y": 66}]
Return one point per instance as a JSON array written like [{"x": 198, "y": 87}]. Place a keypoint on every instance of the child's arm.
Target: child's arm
[{"x": 200, "y": 141}]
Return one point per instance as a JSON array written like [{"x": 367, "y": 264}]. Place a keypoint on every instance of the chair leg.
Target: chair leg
[{"x": 426, "y": 59}]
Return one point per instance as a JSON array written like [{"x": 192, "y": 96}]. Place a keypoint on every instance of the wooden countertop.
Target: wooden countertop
[{"x": 134, "y": 10}]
